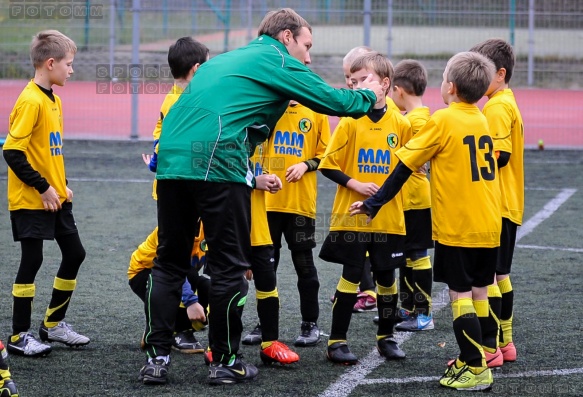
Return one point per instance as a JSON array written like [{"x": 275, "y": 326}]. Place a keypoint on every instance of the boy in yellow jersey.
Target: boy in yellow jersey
[
  {"x": 191, "y": 314},
  {"x": 465, "y": 197},
  {"x": 415, "y": 280},
  {"x": 360, "y": 156},
  {"x": 7, "y": 386},
  {"x": 184, "y": 58},
  {"x": 507, "y": 130},
  {"x": 294, "y": 151},
  {"x": 39, "y": 200},
  {"x": 263, "y": 264}
]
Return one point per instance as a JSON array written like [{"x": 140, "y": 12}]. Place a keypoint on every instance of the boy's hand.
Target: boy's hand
[
  {"x": 268, "y": 182},
  {"x": 358, "y": 208},
  {"x": 51, "y": 200},
  {"x": 249, "y": 275},
  {"x": 295, "y": 172},
  {"x": 69, "y": 195},
  {"x": 365, "y": 188},
  {"x": 147, "y": 158},
  {"x": 195, "y": 312},
  {"x": 374, "y": 86}
]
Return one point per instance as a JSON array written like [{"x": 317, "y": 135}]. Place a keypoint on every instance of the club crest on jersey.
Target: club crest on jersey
[
  {"x": 305, "y": 125},
  {"x": 392, "y": 140}
]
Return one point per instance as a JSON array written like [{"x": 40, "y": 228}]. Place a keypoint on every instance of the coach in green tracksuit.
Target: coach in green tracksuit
[{"x": 208, "y": 136}]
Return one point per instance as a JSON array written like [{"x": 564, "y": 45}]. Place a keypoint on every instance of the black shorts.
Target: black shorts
[
  {"x": 507, "y": 243},
  {"x": 299, "y": 230},
  {"x": 350, "y": 248},
  {"x": 262, "y": 258},
  {"x": 43, "y": 225},
  {"x": 462, "y": 268},
  {"x": 419, "y": 227}
]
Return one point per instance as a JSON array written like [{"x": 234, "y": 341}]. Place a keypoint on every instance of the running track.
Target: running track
[{"x": 92, "y": 112}]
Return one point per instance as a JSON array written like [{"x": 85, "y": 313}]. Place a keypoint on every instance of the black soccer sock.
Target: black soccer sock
[
  {"x": 422, "y": 284},
  {"x": 22, "y": 297},
  {"x": 345, "y": 298},
  {"x": 387, "y": 298},
  {"x": 268, "y": 312},
  {"x": 468, "y": 334},
  {"x": 406, "y": 293},
  {"x": 507, "y": 303},
  {"x": 491, "y": 324},
  {"x": 308, "y": 284},
  {"x": 62, "y": 292}
]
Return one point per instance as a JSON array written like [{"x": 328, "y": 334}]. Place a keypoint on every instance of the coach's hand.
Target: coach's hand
[{"x": 374, "y": 86}]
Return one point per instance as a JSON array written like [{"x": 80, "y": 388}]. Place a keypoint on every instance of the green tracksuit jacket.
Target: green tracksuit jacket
[{"x": 232, "y": 104}]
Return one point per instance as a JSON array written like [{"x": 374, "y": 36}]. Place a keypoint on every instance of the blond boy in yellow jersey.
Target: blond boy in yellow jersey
[
  {"x": 39, "y": 200},
  {"x": 465, "y": 198},
  {"x": 507, "y": 130},
  {"x": 360, "y": 156},
  {"x": 367, "y": 298},
  {"x": 415, "y": 279}
]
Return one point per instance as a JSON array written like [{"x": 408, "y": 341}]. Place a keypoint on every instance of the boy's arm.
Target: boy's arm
[
  {"x": 503, "y": 159},
  {"x": 188, "y": 295},
  {"x": 390, "y": 188},
  {"x": 18, "y": 163}
]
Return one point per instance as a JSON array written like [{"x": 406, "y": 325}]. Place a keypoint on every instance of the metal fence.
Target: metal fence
[{"x": 123, "y": 39}]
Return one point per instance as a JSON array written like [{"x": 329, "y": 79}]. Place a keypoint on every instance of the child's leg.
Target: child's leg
[
  {"x": 387, "y": 298},
  {"x": 308, "y": 283},
  {"x": 7, "y": 385},
  {"x": 66, "y": 280},
  {"x": 422, "y": 276},
  {"x": 345, "y": 297},
  {"x": 466, "y": 325},
  {"x": 406, "y": 291},
  {"x": 266, "y": 292},
  {"x": 23, "y": 289}
]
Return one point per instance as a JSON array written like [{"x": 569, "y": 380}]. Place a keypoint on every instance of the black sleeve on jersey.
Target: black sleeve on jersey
[
  {"x": 312, "y": 164},
  {"x": 336, "y": 176},
  {"x": 390, "y": 188},
  {"x": 18, "y": 163},
  {"x": 503, "y": 159}
]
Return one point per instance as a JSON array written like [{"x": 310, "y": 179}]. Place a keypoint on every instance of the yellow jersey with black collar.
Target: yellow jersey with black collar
[
  {"x": 259, "y": 227},
  {"x": 36, "y": 128},
  {"x": 300, "y": 135},
  {"x": 465, "y": 191},
  {"x": 365, "y": 151}
]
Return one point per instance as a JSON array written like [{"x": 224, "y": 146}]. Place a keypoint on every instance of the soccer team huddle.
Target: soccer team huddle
[{"x": 235, "y": 159}]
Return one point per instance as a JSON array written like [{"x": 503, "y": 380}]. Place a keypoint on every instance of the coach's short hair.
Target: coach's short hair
[
  {"x": 184, "y": 54},
  {"x": 280, "y": 20},
  {"x": 50, "y": 44},
  {"x": 376, "y": 62},
  {"x": 471, "y": 73},
  {"x": 411, "y": 76},
  {"x": 500, "y": 52}
]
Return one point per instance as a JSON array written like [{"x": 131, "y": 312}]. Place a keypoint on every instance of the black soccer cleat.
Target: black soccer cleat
[
  {"x": 389, "y": 349},
  {"x": 239, "y": 371},
  {"x": 339, "y": 353},
  {"x": 154, "y": 372}
]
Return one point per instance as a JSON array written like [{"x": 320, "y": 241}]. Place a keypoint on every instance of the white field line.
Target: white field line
[
  {"x": 538, "y": 247},
  {"x": 357, "y": 374},
  {"x": 527, "y": 374}
]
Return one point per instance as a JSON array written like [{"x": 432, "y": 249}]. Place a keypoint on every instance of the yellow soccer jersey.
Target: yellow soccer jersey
[
  {"x": 143, "y": 257},
  {"x": 169, "y": 100},
  {"x": 507, "y": 130},
  {"x": 259, "y": 227},
  {"x": 365, "y": 151},
  {"x": 416, "y": 191},
  {"x": 36, "y": 128},
  {"x": 300, "y": 135},
  {"x": 465, "y": 192}
]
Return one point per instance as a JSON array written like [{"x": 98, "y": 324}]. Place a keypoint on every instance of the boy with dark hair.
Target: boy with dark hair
[
  {"x": 39, "y": 200},
  {"x": 359, "y": 157},
  {"x": 466, "y": 206},
  {"x": 415, "y": 279},
  {"x": 184, "y": 58},
  {"x": 507, "y": 130}
]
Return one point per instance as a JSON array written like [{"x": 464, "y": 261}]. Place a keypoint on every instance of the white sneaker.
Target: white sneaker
[
  {"x": 27, "y": 345},
  {"x": 63, "y": 333}
]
